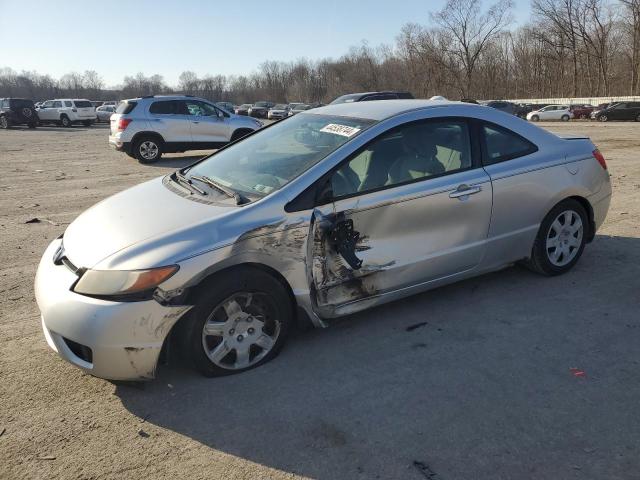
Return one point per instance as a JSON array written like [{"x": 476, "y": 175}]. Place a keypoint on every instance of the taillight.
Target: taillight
[
  {"x": 600, "y": 158},
  {"x": 123, "y": 123}
]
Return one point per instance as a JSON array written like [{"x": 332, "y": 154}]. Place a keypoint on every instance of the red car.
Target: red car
[{"x": 581, "y": 111}]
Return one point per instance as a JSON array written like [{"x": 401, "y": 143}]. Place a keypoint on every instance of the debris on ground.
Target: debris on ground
[
  {"x": 410, "y": 328},
  {"x": 576, "y": 372},
  {"x": 2, "y": 431},
  {"x": 46, "y": 457},
  {"x": 143, "y": 434},
  {"x": 40, "y": 220},
  {"x": 424, "y": 469}
]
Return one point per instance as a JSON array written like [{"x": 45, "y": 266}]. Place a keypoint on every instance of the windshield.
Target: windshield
[
  {"x": 269, "y": 159},
  {"x": 280, "y": 106},
  {"x": 346, "y": 99}
]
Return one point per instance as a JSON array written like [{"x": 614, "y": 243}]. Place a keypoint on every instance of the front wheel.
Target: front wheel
[
  {"x": 32, "y": 125},
  {"x": 560, "y": 240},
  {"x": 535, "y": 118},
  {"x": 147, "y": 150},
  {"x": 603, "y": 118},
  {"x": 4, "y": 123},
  {"x": 638, "y": 118},
  {"x": 87, "y": 123},
  {"x": 65, "y": 122},
  {"x": 238, "y": 323}
]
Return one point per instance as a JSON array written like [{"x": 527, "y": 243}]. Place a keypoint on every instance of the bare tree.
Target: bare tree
[{"x": 469, "y": 31}]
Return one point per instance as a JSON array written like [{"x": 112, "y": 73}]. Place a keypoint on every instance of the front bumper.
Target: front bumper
[{"x": 124, "y": 338}]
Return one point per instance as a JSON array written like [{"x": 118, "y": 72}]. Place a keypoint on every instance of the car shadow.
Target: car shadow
[
  {"x": 51, "y": 128},
  {"x": 471, "y": 380}
]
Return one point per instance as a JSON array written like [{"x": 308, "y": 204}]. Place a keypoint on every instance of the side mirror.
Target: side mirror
[{"x": 324, "y": 193}]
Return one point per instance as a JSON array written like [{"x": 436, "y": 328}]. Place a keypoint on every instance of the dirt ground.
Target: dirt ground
[{"x": 470, "y": 381}]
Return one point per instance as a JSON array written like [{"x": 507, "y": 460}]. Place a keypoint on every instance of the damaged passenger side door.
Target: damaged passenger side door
[{"x": 411, "y": 207}]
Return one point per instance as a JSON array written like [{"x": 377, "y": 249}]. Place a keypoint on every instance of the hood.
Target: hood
[{"x": 148, "y": 214}]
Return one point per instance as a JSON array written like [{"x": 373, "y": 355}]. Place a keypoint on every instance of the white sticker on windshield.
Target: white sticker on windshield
[{"x": 343, "y": 130}]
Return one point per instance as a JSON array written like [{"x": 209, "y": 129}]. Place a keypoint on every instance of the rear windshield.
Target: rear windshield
[
  {"x": 21, "y": 103},
  {"x": 82, "y": 103},
  {"x": 260, "y": 104},
  {"x": 346, "y": 99},
  {"x": 126, "y": 107}
]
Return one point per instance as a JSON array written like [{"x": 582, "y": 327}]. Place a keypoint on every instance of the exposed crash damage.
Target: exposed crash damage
[{"x": 336, "y": 275}]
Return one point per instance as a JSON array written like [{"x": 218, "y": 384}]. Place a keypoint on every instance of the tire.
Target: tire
[
  {"x": 565, "y": 118},
  {"x": 637, "y": 119},
  {"x": 257, "y": 326},
  {"x": 535, "y": 118},
  {"x": 87, "y": 123},
  {"x": 32, "y": 125},
  {"x": 238, "y": 134},
  {"x": 147, "y": 149},
  {"x": 5, "y": 124},
  {"x": 549, "y": 257},
  {"x": 65, "y": 121},
  {"x": 603, "y": 118}
]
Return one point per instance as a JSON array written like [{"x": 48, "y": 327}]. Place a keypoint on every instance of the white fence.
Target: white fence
[{"x": 578, "y": 101}]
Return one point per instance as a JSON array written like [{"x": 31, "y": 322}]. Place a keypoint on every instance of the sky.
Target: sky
[{"x": 123, "y": 37}]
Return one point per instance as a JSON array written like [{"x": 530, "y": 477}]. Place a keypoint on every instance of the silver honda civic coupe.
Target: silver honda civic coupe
[{"x": 323, "y": 214}]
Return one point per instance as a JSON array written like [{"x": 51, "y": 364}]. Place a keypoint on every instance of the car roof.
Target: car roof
[{"x": 381, "y": 109}]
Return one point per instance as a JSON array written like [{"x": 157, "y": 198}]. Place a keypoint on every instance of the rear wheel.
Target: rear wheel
[
  {"x": 603, "y": 118},
  {"x": 65, "y": 122},
  {"x": 535, "y": 118},
  {"x": 87, "y": 123},
  {"x": 564, "y": 118},
  {"x": 147, "y": 149},
  {"x": 237, "y": 323},
  {"x": 4, "y": 123},
  {"x": 638, "y": 118},
  {"x": 583, "y": 117},
  {"x": 560, "y": 240},
  {"x": 32, "y": 125}
]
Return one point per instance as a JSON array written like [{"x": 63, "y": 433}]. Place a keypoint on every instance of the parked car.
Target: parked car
[
  {"x": 67, "y": 111},
  {"x": 551, "y": 112},
  {"x": 278, "y": 111},
  {"x": 367, "y": 96},
  {"x": 96, "y": 103},
  {"x": 147, "y": 127},
  {"x": 260, "y": 109},
  {"x": 104, "y": 112},
  {"x": 503, "y": 106},
  {"x": 470, "y": 100},
  {"x": 17, "y": 111},
  {"x": 243, "y": 109},
  {"x": 327, "y": 213},
  {"x": 581, "y": 111},
  {"x": 300, "y": 107},
  {"x": 618, "y": 111},
  {"x": 227, "y": 106}
]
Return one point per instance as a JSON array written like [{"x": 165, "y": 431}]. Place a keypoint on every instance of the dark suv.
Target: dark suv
[
  {"x": 618, "y": 111},
  {"x": 17, "y": 111},
  {"x": 367, "y": 96}
]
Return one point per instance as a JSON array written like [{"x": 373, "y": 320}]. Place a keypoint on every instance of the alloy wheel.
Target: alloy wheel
[
  {"x": 241, "y": 331},
  {"x": 148, "y": 150},
  {"x": 564, "y": 238}
]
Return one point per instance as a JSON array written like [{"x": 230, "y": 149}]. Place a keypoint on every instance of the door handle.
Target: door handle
[{"x": 464, "y": 191}]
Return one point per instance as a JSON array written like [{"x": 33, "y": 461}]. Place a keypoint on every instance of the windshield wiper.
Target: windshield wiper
[
  {"x": 238, "y": 197},
  {"x": 186, "y": 182}
]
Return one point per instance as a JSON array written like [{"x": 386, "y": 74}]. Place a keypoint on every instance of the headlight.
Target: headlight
[{"x": 122, "y": 282}]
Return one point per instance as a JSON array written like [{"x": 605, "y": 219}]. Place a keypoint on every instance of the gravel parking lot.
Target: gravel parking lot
[{"x": 477, "y": 380}]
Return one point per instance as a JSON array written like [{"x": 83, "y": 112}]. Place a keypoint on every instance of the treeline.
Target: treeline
[{"x": 569, "y": 48}]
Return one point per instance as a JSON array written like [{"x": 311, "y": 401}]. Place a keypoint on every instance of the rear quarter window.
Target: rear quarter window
[
  {"x": 126, "y": 107},
  {"x": 501, "y": 144},
  {"x": 167, "y": 107},
  {"x": 82, "y": 103}
]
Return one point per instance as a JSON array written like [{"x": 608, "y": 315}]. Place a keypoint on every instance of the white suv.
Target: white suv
[
  {"x": 67, "y": 111},
  {"x": 147, "y": 127}
]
